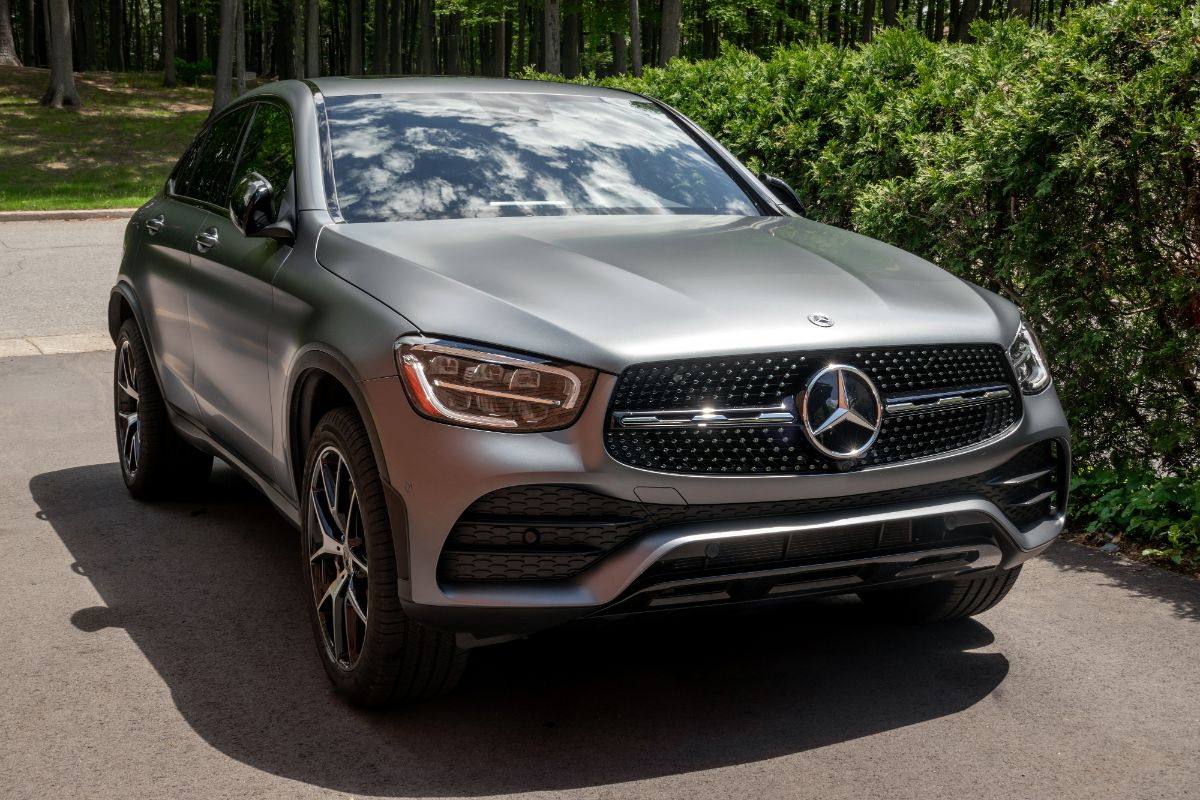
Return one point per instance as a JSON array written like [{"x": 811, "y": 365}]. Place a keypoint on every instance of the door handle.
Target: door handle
[
  {"x": 155, "y": 225},
  {"x": 206, "y": 240}
]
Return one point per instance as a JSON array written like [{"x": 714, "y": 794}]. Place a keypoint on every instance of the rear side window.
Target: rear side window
[
  {"x": 186, "y": 171},
  {"x": 269, "y": 150},
  {"x": 207, "y": 175}
]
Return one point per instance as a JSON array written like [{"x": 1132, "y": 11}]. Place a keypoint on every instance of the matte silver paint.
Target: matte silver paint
[
  {"x": 234, "y": 332},
  {"x": 608, "y": 292}
]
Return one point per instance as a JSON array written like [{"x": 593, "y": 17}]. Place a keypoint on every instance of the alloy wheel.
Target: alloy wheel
[
  {"x": 129, "y": 428},
  {"x": 337, "y": 556}
]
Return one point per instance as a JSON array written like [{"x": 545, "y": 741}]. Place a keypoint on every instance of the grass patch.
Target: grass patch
[{"x": 115, "y": 152}]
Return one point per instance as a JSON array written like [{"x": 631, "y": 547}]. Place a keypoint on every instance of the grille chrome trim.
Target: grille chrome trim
[
  {"x": 1033, "y": 501},
  {"x": 966, "y": 557},
  {"x": 703, "y": 417},
  {"x": 1018, "y": 480},
  {"x": 914, "y": 404}
]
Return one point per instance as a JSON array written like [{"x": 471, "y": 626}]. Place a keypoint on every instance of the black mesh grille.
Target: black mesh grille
[
  {"x": 763, "y": 381},
  {"x": 538, "y": 533}
]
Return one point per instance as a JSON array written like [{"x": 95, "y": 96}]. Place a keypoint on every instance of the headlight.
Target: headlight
[
  {"x": 478, "y": 388},
  {"x": 1028, "y": 361}
]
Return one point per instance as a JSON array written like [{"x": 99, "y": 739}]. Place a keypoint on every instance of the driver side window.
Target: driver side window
[{"x": 269, "y": 150}]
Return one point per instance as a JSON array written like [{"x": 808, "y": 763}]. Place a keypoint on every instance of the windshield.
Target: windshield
[{"x": 446, "y": 156}]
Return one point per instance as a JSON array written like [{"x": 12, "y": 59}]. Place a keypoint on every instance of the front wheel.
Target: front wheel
[
  {"x": 943, "y": 600},
  {"x": 370, "y": 650}
]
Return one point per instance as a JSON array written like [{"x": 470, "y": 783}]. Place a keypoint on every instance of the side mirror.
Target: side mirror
[
  {"x": 783, "y": 192},
  {"x": 252, "y": 209}
]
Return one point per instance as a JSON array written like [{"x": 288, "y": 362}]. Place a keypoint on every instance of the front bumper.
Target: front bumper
[{"x": 438, "y": 471}]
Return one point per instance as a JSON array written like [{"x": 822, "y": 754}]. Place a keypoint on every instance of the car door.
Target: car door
[
  {"x": 230, "y": 301},
  {"x": 167, "y": 227}
]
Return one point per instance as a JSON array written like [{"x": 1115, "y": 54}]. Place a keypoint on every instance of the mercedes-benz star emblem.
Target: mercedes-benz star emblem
[
  {"x": 842, "y": 412},
  {"x": 821, "y": 320}
]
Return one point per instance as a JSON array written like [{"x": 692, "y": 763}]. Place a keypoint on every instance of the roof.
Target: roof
[{"x": 343, "y": 87}]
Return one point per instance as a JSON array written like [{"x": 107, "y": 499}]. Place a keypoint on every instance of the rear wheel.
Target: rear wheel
[
  {"x": 371, "y": 651},
  {"x": 943, "y": 600},
  {"x": 155, "y": 461}
]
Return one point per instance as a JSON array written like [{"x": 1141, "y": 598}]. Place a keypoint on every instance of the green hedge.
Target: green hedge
[{"x": 1061, "y": 170}]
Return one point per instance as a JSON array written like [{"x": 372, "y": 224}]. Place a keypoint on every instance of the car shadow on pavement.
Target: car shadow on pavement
[{"x": 209, "y": 590}]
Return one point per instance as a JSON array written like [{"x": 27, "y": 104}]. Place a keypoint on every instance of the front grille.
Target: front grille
[
  {"x": 771, "y": 381},
  {"x": 543, "y": 533}
]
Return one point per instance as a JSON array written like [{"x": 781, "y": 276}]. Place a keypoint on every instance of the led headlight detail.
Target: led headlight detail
[
  {"x": 1028, "y": 361},
  {"x": 464, "y": 385}
]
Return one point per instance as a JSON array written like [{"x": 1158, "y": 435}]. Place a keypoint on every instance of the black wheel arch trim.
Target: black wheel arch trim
[
  {"x": 324, "y": 359},
  {"x": 123, "y": 292}
]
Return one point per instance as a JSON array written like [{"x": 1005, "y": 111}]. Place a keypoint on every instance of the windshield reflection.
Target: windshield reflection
[{"x": 425, "y": 156}]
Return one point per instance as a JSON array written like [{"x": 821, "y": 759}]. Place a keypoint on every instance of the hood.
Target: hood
[{"x": 610, "y": 291}]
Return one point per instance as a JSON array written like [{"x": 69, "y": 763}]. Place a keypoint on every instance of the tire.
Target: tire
[
  {"x": 155, "y": 461},
  {"x": 943, "y": 600},
  {"x": 376, "y": 656}
]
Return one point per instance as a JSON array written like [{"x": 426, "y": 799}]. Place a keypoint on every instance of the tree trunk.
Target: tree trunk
[
  {"x": 966, "y": 15},
  {"x": 29, "y": 40},
  {"x": 620, "y": 51},
  {"x": 868, "y": 22},
  {"x": 500, "y": 47},
  {"x": 355, "y": 30},
  {"x": 1020, "y": 8},
  {"x": 939, "y": 21},
  {"x": 135, "y": 12},
  {"x": 61, "y": 92},
  {"x": 239, "y": 51},
  {"x": 672, "y": 20},
  {"x": 379, "y": 40},
  {"x": 222, "y": 87},
  {"x": 570, "y": 43},
  {"x": 710, "y": 38},
  {"x": 835, "y": 22},
  {"x": 635, "y": 38},
  {"x": 312, "y": 38},
  {"x": 425, "y": 64},
  {"x": 454, "y": 44},
  {"x": 170, "y": 11},
  {"x": 116, "y": 34},
  {"x": 8, "y": 48},
  {"x": 889, "y": 13},
  {"x": 294, "y": 45},
  {"x": 519, "y": 64},
  {"x": 395, "y": 64},
  {"x": 552, "y": 38},
  {"x": 84, "y": 24}
]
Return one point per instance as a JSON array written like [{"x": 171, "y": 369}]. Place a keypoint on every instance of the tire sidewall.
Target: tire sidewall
[
  {"x": 381, "y": 585},
  {"x": 135, "y": 482}
]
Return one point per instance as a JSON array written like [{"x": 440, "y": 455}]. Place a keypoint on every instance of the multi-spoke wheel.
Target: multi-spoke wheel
[
  {"x": 155, "y": 461},
  {"x": 369, "y": 648},
  {"x": 338, "y": 557},
  {"x": 129, "y": 432}
]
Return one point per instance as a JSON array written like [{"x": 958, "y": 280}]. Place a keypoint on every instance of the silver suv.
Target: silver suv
[{"x": 510, "y": 354}]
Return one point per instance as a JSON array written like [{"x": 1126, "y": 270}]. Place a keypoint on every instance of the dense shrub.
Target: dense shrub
[
  {"x": 1061, "y": 170},
  {"x": 1162, "y": 513},
  {"x": 189, "y": 72}
]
